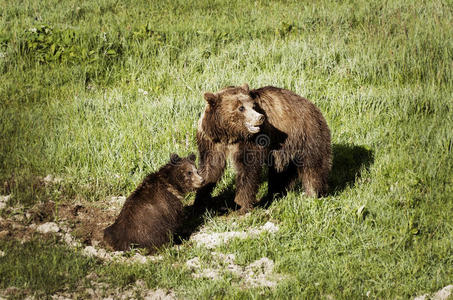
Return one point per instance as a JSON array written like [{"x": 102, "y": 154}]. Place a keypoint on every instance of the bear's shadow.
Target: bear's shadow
[
  {"x": 347, "y": 164},
  {"x": 219, "y": 205}
]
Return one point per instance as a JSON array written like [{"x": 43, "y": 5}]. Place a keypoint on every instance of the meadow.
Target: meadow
[{"x": 99, "y": 93}]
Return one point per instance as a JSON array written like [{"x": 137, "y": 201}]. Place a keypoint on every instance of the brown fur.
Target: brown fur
[
  {"x": 154, "y": 210},
  {"x": 275, "y": 127}
]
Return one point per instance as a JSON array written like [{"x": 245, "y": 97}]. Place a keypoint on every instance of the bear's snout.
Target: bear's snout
[
  {"x": 254, "y": 121},
  {"x": 261, "y": 119},
  {"x": 199, "y": 181}
]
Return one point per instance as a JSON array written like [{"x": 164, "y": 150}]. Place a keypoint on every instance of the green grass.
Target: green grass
[
  {"x": 380, "y": 71},
  {"x": 41, "y": 266}
]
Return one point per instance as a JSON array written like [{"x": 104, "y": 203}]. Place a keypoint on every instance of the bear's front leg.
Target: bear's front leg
[
  {"x": 211, "y": 167},
  {"x": 248, "y": 166}
]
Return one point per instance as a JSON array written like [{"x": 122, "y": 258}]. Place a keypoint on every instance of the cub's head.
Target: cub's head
[
  {"x": 230, "y": 114},
  {"x": 184, "y": 173}
]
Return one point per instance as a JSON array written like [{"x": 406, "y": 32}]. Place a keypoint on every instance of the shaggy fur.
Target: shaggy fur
[
  {"x": 154, "y": 210},
  {"x": 267, "y": 126}
]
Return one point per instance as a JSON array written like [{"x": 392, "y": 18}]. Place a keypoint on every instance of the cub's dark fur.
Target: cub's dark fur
[{"x": 154, "y": 210}]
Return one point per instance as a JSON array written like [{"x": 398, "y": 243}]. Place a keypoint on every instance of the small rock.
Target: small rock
[
  {"x": 193, "y": 263},
  {"x": 69, "y": 240},
  {"x": 90, "y": 251},
  {"x": 155, "y": 258},
  {"x": 207, "y": 273},
  {"x": 49, "y": 179},
  {"x": 48, "y": 227},
  {"x": 270, "y": 227},
  {"x": 3, "y": 201},
  {"x": 99, "y": 253},
  {"x": 2, "y": 253},
  {"x": 159, "y": 294},
  {"x": 139, "y": 258},
  {"x": 444, "y": 293},
  {"x": 118, "y": 200},
  {"x": 140, "y": 284}
]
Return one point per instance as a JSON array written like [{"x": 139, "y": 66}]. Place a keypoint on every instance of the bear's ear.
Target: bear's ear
[
  {"x": 246, "y": 88},
  {"x": 174, "y": 158},
  {"x": 192, "y": 157},
  {"x": 210, "y": 98}
]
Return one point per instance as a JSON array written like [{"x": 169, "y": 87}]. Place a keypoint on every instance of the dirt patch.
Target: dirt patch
[
  {"x": 259, "y": 273},
  {"x": 214, "y": 239},
  {"x": 442, "y": 294},
  {"x": 101, "y": 290},
  {"x": 79, "y": 225},
  {"x": 119, "y": 256},
  {"x": 97, "y": 290},
  {"x": 84, "y": 221}
]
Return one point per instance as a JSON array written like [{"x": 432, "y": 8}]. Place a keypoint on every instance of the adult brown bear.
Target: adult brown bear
[
  {"x": 266, "y": 126},
  {"x": 154, "y": 210}
]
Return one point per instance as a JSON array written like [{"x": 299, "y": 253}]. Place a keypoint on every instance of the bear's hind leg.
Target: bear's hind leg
[
  {"x": 247, "y": 183},
  {"x": 314, "y": 181}
]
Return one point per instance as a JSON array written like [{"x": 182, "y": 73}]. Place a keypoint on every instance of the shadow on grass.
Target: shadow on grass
[
  {"x": 348, "y": 162},
  {"x": 219, "y": 205}
]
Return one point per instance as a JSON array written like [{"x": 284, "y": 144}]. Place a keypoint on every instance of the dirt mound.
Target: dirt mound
[{"x": 85, "y": 221}]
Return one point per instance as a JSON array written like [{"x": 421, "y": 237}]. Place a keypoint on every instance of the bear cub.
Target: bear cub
[{"x": 153, "y": 212}]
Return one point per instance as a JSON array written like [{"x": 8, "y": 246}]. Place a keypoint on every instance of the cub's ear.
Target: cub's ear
[
  {"x": 192, "y": 157},
  {"x": 246, "y": 88},
  {"x": 174, "y": 158},
  {"x": 210, "y": 98}
]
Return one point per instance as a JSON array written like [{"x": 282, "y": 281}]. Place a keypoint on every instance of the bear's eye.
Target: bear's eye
[
  {"x": 189, "y": 173},
  {"x": 241, "y": 108}
]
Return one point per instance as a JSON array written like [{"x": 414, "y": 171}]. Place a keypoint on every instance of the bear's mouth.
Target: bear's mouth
[
  {"x": 252, "y": 128},
  {"x": 198, "y": 183}
]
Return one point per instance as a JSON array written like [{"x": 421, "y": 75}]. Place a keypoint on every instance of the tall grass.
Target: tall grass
[{"x": 380, "y": 71}]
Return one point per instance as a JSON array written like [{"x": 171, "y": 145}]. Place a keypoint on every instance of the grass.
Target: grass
[
  {"x": 380, "y": 71},
  {"x": 41, "y": 266}
]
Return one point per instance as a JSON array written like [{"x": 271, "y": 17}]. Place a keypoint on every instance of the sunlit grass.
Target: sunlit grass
[{"x": 381, "y": 72}]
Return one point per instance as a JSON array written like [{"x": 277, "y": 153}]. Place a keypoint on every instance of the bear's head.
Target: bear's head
[
  {"x": 230, "y": 115},
  {"x": 184, "y": 173}
]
